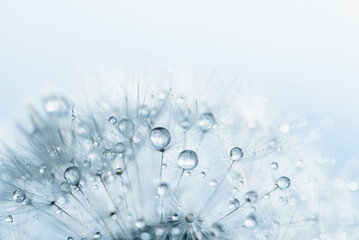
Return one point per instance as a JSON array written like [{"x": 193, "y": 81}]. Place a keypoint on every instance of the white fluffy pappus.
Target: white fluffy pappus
[{"x": 157, "y": 165}]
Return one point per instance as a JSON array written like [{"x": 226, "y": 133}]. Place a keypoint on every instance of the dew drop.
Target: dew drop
[
  {"x": 233, "y": 203},
  {"x": 119, "y": 171},
  {"x": 144, "y": 111},
  {"x": 65, "y": 188},
  {"x": 109, "y": 155},
  {"x": 250, "y": 221},
  {"x": 213, "y": 183},
  {"x": 72, "y": 175},
  {"x": 251, "y": 196},
  {"x": 120, "y": 148},
  {"x": 126, "y": 127},
  {"x": 112, "y": 120},
  {"x": 162, "y": 189},
  {"x": 86, "y": 164},
  {"x": 9, "y": 219},
  {"x": 160, "y": 138},
  {"x": 97, "y": 235},
  {"x": 207, "y": 121},
  {"x": 283, "y": 182},
  {"x": 19, "y": 195},
  {"x": 202, "y": 174},
  {"x": 140, "y": 224},
  {"x": 56, "y": 105},
  {"x": 236, "y": 153},
  {"x": 187, "y": 160},
  {"x": 175, "y": 217},
  {"x": 189, "y": 218},
  {"x": 274, "y": 165}
]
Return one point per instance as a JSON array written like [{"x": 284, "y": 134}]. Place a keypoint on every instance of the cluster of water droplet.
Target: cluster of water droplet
[{"x": 160, "y": 170}]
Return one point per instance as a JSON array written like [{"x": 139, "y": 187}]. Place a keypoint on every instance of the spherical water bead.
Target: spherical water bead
[
  {"x": 19, "y": 195},
  {"x": 127, "y": 127},
  {"x": 236, "y": 153},
  {"x": 109, "y": 155},
  {"x": 233, "y": 203},
  {"x": 72, "y": 175},
  {"x": 86, "y": 164},
  {"x": 189, "y": 218},
  {"x": 119, "y": 171},
  {"x": 97, "y": 235},
  {"x": 56, "y": 105},
  {"x": 160, "y": 138},
  {"x": 274, "y": 165},
  {"x": 162, "y": 189},
  {"x": 251, "y": 196},
  {"x": 213, "y": 183},
  {"x": 112, "y": 120},
  {"x": 207, "y": 121},
  {"x": 283, "y": 182},
  {"x": 187, "y": 160},
  {"x": 119, "y": 148},
  {"x": 65, "y": 188},
  {"x": 250, "y": 221},
  {"x": 9, "y": 219},
  {"x": 140, "y": 224},
  {"x": 202, "y": 174},
  {"x": 144, "y": 111}
]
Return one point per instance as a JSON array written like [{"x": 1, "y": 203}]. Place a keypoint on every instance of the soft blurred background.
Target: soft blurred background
[{"x": 304, "y": 54}]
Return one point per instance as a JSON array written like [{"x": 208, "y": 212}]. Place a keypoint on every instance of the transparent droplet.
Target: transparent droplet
[
  {"x": 97, "y": 235},
  {"x": 160, "y": 138},
  {"x": 250, "y": 221},
  {"x": 175, "y": 217},
  {"x": 119, "y": 171},
  {"x": 127, "y": 128},
  {"x": 202, "y": 174},
  {"x": 19, "y": 195},
  {"x": 213, "y": 183},
  {"x": 145, "y": 236},
  {"x": 236, "y": 153},
  {"x": 112, "y": 120},
  {"x": 162, "y": 189},
  {"x": 65, "y": 188},
  {"x": 86, "y": 164},
  {"x": 70, "y": 238},
  {"x": 9, "y": 219},
  {"x": 140, "y": 224},
  {"x": 207, "y": 121},
  {"x": 283, "y": 182},
  {"x": 189, "y": 218},
  {"x": 144, "y": 111},
  {"x": 56, "y": 105},
  {"x": 233, "y": 203},
  {"x": 120, "y": 148},
  {"x": 274, "y": 165},
  {"x": 109, "y": 155},
  {"x": 187, "y": 160},
  {"x": 251, "y": 196},
  {"x": 72, "y": 175}
]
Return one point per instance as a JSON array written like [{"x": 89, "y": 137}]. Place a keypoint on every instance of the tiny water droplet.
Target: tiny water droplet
[
  {"x": 9, "y": 219},
  {"x": 140, "y": 224},
  {"x": 236, "y": 153},
  {"x": 283, "y": 182},
  {"x": 187, "y": 160},
  {"x": 112, "y": 120},
  {"x": 274, "y": 165},
  {"x": 250, "y": 221},
  {"x": 65, "y": 188},
  {"x": 251, "y": 196},
  {"x": 127, "y": 127},
  {"x": 189, "y": 218},
  {"x": 56, "y": 105},
  {"x": 162, "y": 189},
  {"x": 160, "y": 138},
  {"x": 108, "y": 155},
  {"x": 202, "y": 174},
  {"x": 207, "y": 121},
  {"x": 97, "y": 235},
  {"x": 19, "y": 195},
  {"x": 72, "y": 175},
  {"x": 213, "y": 183}
]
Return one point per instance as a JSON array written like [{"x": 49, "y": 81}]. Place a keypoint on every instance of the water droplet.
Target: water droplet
[
  {"x": 160, "y": 138},
  {"x": 109, "y": 155},
  {"x": 251, "y": 196},
  {"x": 112, "y": 120},
  {"x": 250, "y": 221},
  {"x": 119, "y": 171},
  {"x": 56, "y": 105},
  {"x": 236, "y": 153},
  {"x": 86, "y": 164},
  {"x": 207, "y": 121},
  {"x": 175, "y": 217},
  {"x": 202, "y": 174},
  {"x": 213, "y": 183},
  {"x": 70, "y": 238},
  {"x": 127, "y": 128},
  {"x": 19, "y": 195},
  {"x": 274, "y": 165},
  {"x": 235, "y": 189},
  {"x": 283, "y": 182},
  {"x": 9, "y": 219},
  {"x": 233, "y": 203},
  {"x": 162, "y": 189},
  {"x": 140, "y": 224},
  {"x": 120, "y": 148},
  {"x": 187, "y": 160},
  {"x": 164, "y": 165},
  {"x": 97, "y": 235},
  {"x": 189, "y": 218},
  {"x": 72, "y": 175},
  {"x": 65, "y": 188},
  {"x": 144, "y": 111},
  {"x": 145, "y": 236}
]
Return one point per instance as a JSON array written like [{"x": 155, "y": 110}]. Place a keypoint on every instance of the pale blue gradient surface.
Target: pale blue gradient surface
[{"x": 305, "y": 53}]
